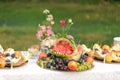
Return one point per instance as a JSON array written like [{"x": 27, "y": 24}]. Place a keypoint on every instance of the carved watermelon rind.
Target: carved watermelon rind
[{"x": 57, "y": 54}]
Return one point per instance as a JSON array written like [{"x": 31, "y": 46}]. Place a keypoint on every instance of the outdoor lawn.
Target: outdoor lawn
[{"x": 93, "y": 23}]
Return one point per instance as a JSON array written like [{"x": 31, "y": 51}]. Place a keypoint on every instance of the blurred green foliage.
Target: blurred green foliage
[
  {"x": 65, "y": 1},
  {"x": 92, "y": 22}
]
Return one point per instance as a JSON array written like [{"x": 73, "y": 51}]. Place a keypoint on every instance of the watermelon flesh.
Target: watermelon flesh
[
  {"x": 63, "y": 47},
  {"x": 66, "y": 49}
]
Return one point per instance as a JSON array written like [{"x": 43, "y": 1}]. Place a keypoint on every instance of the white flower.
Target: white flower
[
  {"x": 52, "y": 22},
  {"x": 70, "y": 21},
  {"x": 1, "y": 49},
  {"x": 50, "y": 17},
  {"x": 46, "y": 11}
]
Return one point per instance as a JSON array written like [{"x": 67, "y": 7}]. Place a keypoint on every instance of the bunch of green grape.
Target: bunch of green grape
[{"x": 83, "y": 66}]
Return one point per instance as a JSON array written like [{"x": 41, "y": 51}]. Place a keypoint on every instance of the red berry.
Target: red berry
[{"x": 2, "y": 55}]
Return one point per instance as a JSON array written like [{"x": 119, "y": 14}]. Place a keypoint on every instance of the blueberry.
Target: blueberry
[
  {"x": 48, "y": 65},
  {"x": 13, "y": 55},
  {"x": 8, "y": 62}
]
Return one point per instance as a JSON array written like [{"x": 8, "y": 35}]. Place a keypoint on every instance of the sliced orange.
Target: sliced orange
[
  {"x": 2, "y": 62},
  {"x": 18, "y": 54}
]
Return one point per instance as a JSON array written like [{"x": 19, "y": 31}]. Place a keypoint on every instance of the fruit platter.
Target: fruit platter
[
  {"x": 59, "y": 51},
  {"x": 10, "y": 58},
  {"x": 106, "y": 53},
  {"x": 65, "y": 56}
]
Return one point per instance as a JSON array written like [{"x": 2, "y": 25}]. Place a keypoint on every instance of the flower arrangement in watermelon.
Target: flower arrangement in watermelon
[
  {"x": 64, "y": 54},
  {"x": 45, "y": 33}
]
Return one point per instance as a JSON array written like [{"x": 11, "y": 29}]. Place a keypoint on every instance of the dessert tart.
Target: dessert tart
[
  {"x": 33, "y": 51},
  {"x": 107, "y": 53},
  {"x": 98, "y": 52},
  {"x": 11, "y": 58}
]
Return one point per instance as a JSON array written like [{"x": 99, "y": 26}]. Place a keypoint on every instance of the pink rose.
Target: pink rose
[
  {"x": 70, "y": 37},
  {"x": 43, "y": 28},
  {"x": 49, "y": 27},
  {"x": 49, "y": 32},
  {"x": 39, "y": 34},
  {"x": 62, "y": 23}
]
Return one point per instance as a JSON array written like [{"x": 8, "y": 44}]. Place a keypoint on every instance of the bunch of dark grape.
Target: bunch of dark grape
[
  {"x": 53, "y": 62},
  {"x": 82, "y": 58}
]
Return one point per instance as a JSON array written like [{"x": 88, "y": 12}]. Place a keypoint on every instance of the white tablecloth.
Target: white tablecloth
[{"x": 31, "y": 71}]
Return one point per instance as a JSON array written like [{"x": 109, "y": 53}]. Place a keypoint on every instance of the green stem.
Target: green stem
[{"x": 68, "y": 28}]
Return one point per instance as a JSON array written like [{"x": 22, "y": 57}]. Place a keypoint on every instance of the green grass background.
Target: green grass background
[{"x": 93, "y": 23}]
